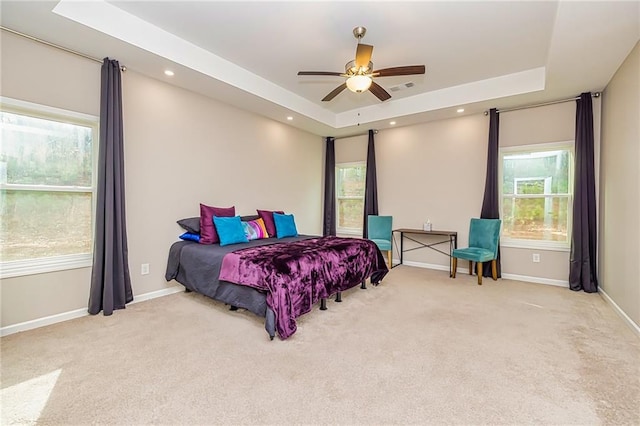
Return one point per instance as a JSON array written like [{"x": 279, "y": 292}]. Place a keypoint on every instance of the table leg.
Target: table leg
[
  {"x": 450, "y": 256},
  {"x": 401, "y": 245}
]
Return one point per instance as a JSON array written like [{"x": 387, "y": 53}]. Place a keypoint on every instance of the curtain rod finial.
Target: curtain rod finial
[
  {"x": 486, "y": 113},
  {"x": 596, "y": 94}
]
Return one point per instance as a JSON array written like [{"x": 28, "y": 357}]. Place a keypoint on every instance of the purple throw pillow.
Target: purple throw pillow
[
  {"x": 267, "y": 218},
  {"x": 208, "y": 233}
]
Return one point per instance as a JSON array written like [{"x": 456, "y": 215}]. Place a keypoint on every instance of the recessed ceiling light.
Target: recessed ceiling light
[
  {"x": 460, "y": 109},
  {"x": 289, "y": 118},
  {"x": 393, "y": 123},
  {"x": 168, "y": 73}
]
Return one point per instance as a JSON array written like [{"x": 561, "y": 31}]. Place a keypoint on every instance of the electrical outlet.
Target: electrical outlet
[
  {"x": 536, "y": 257},
  {"x": 144, "y": 269}
]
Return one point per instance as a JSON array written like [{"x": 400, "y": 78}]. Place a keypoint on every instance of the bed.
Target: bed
[{"x": 278, "y": 279}]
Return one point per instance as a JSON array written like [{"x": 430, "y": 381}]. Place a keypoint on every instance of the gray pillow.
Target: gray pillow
[{"x": 190, "y": 224}]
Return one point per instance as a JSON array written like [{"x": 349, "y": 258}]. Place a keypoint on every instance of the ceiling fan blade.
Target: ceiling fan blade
[
  {"x": 319, "y": 73},
  {"x": 408, "y": 70},
  {"x": 335, "y": 92},
  {"x": 379, "y": 92},
  {"x": 363, "y": 55}
]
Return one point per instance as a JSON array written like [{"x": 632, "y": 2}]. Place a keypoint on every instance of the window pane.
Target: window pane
[
  {"x": 36, "y": 151},
  {"x": 350, "y": 187},
  {"x": 546, "y": 171},
  {"x": 544, "y": 218},
  {"x": 43, "y": 224},
  {"x": 37, "y": 154},
  {"x": 529, "y": 186},
  {"x": 350, "y": 213},
  {"x": 351, "y": 181}
]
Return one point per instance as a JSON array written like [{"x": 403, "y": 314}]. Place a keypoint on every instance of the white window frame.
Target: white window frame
[
  {"x": 16, "y": 268},
  {"x": 541, "y": 147},
  {"x": 343, "y": 230}
]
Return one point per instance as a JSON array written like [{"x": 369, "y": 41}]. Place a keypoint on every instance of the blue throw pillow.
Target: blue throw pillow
[
  {"x": 189, "y": 236},
  {"x": 230, "y": 230},
  {"x": 285, "y": 225}
]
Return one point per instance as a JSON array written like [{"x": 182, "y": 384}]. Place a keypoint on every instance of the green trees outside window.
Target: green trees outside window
[
  {"x": 537, "y": 192},
  {"x": 350, "y": 182},
  {"x": 46, "y": 183}
]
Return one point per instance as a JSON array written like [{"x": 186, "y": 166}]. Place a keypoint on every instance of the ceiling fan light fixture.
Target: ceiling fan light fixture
[
  {"x": 352, "y": 69},
  {"x": 359, "y": 73},
  {"x": 359, "y": 83}
]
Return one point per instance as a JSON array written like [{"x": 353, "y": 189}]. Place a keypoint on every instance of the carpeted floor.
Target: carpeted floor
[{"x": 419, "y": 349}]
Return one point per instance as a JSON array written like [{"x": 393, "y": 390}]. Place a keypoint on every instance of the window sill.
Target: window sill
[
  {"x": 349, "y": 232},
  {"x": 535, "y": 245},
  {"x": 18, "y": 268}
]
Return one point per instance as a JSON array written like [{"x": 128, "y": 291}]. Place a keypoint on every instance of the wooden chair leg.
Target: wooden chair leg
[
  {"x": 494, "y": 270},
  {"x": 479, "y": 272},
  {"x": 454, "y": 267},
  {"x": 389, "y": 257},
  {"x": 470, "y": 267}
]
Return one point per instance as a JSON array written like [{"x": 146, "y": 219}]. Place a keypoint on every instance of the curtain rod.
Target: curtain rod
[
  {"x": 375, "y": 132},
  {"x": 39, "y": 40},
  {"x": 559, "y": 101}
]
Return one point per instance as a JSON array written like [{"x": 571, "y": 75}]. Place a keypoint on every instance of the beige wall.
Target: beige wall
[
  {"x": 47, "y": 76},
  {"x": 552, "y": 123},
  {"x": 437, "y": 170},
  {"x": 350, "y": 150},
  {"x": 619, "y": 244},
  {"x": 180, "y": 149},
  {"x": 433, "y": 171},
  {"x": 183, "y": 149}
]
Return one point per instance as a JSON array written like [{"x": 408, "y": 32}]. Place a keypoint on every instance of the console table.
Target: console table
[{"x": 452, "y": 239}]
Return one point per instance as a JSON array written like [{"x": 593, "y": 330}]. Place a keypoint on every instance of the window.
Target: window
[
  {"x": 46, "y": 188},
  {"x": 537, "y": 195},
  {"x": 350, "y": 181}
]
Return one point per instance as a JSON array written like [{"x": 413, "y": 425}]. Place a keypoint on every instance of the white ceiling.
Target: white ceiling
[{"x": 477, "y": 54}]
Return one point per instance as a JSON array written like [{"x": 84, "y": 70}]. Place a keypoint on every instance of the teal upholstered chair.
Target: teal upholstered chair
[
  {"x": 484, "y": 237},
  {"x": 379, "y": 231}
]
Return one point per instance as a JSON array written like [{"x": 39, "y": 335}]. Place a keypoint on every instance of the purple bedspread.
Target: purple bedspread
[{"x": 297, "y": 275}]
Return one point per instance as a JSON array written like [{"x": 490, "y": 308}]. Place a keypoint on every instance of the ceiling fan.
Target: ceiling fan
[{"x": 360, "y": 72}]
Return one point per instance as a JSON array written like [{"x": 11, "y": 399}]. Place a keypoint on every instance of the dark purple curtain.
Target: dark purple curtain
[
  {"x": 491, "y": 202},
  {"x": 110, "y": 280},
  {"x": 371, "y": 185},
  {"x": 582, "y": 265},
  {"x": 329, "y": 222}
]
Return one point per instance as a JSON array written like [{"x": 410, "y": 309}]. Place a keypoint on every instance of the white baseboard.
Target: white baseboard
[
  {"x": 619, "y": 311},
  {"x": 157, "y": 293},
  {"x": 537, "y": 280},
  {"x": 426, "y": 265},
  {"x": 41, "y": 322},
  {"x": 77, "y": 313}
]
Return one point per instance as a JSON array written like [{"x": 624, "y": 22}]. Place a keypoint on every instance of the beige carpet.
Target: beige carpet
[{"x": 419, "y": 349}]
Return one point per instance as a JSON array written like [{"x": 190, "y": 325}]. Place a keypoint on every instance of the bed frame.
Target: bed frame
[{"x": 197, "y": 268}]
